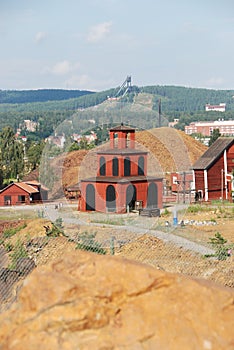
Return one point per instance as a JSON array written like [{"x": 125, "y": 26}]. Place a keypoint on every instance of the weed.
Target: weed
[
  {"x": 9, "y": 232},
  {"x": 56, "y": 229},
  {"x": 19, "y": 251},
  {"x": 219, "y": 244},
  {"x": 87, "y": 242}
]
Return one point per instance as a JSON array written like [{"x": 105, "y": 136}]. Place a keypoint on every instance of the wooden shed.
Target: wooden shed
[
  {"x": 23, "y": 193},
  {"x": 213, "y": 171}
]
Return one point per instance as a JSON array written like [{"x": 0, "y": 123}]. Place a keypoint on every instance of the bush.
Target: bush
[{"x": 56, "y": 229}]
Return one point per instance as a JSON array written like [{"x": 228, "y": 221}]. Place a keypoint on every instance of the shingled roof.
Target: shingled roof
[{"x": 213, "y": 153}]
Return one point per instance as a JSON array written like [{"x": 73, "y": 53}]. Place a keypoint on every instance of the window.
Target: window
[
  {"x": 127, "y": 167},
  {"x": 141, "y": 170},
  {"x": 7, "y": 200},
  {"x": 21, "y": 199},
  {"x": 102, "y": 166},
  {"x": 115, "y": 167}
]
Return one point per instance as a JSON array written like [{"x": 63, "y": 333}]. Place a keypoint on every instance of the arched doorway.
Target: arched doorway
[
  {"x": 90, "y": 197},
  {"x": 115, "y": 167},
  {"x": 127, "y": 167},
  {"x": 102, "y": 166},
  {"x": 131, "y": 197},
  {"x": 110, "y": 199},
  {"x": 141, "y": 165},
  {"x": 152, "y": 196}
]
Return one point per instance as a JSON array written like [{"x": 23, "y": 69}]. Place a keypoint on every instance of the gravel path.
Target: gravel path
[{"x": 52, "y": 214}]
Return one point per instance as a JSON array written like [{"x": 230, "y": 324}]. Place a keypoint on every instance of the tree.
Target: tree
[
  {"x": 11, "y": 154},
  {"x": 34, "y": 152},
  {"x": 215, "y": 135}
]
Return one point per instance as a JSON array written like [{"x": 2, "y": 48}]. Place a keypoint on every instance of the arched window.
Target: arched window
[
  {"x": 127, "y": 167},
  {"x": 115, "y": 167},
  {"x": 102, "y": 166},
  {"x": 141, "y": 165},
  {"x": 110, "y": 199},
  {"x": 90, "y": 197},
  {"x": 152, "y": 196},
  {"x": 131, "y": 196}
]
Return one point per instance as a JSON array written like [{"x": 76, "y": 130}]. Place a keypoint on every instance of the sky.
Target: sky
[{"x": 95, "y": 44}]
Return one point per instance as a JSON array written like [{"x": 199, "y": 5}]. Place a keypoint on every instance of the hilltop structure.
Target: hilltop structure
[{"x": 121, "y": 183}]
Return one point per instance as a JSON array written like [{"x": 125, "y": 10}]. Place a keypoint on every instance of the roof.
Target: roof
[
  {"x": 121, "y": 151},
  {"x": 36, "y": 183},
  {"x": 122, "y": 128},
  {"x": 25, "y": 187},
  {"x": 213, "y": 153},
  {"x": 120, "y": 179}
]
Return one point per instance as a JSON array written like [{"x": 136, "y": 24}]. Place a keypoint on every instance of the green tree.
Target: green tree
[
  {"x": 215, "y": 135},
  {"x": 34, "y": 152},
  {"x": 11, "y": 154}
]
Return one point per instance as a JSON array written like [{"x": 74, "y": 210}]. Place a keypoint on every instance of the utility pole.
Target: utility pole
[
  {"x": 184, "y": 187},
  {"x": 159, "y": 113}
]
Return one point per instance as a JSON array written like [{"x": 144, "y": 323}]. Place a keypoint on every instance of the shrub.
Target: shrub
[
  {"x": 56, "y": 229},
  {"x": 220, "y": 246}
]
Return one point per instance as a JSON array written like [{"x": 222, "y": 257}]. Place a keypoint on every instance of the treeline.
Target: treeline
[
  {"x": 41, "y": 95},
  {"x": 186, "y": 104}
]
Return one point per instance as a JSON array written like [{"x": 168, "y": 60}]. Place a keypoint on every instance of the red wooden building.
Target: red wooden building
[
  {"x": 213, "y": 171},
  {"x": 121, "y": 182},
  {"x": 23, "y": 193}
]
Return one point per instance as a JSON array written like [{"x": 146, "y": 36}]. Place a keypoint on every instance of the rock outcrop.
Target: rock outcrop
[{"x": 86, "y": 301}]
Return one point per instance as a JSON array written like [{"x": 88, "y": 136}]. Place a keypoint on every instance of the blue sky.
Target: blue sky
[{"x": 95, "y": 44}]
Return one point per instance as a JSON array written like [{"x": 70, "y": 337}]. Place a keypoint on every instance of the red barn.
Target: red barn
[
  {"x": 121, "y": 180},
  {"x": 213, "y": 171},
  {"x": 23, "y": 193}
]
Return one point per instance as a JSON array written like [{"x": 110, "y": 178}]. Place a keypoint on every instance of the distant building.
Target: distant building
[
  {"x": 92, "y": 137},
  {"x": 226, "y": 127},
  {"x": 217, "y": 108},
  {"x": 58, "y": 140},
  {"x": 30, "y": 125}
]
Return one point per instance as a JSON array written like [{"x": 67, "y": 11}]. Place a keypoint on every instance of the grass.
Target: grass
[
  {"x": 9, "y": 232},
  {"x": 12, "y": 214}
]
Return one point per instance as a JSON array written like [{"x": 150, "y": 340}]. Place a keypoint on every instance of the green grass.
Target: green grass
[{"x": 9, "y": 232}]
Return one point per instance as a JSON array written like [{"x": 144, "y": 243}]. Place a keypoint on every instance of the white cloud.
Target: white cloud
[
  {"x": 61, "y": 68},
  {"x": 99, "y": 31},
  {"x": 214, "y": 82},
  {"x": 78, "y": 82},
  {"x": 40, "y": 36}
]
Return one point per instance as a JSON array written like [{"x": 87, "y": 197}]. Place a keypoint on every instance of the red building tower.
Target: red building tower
[{"x": 121, "y": 182}]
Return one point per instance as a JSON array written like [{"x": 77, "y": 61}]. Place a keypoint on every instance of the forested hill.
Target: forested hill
[
  {"x": 42, "y": 95},
  {"x": 49, "y": 108}
]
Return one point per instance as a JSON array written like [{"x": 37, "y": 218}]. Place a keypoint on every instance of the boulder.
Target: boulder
[{"x": 87, "y": 301}]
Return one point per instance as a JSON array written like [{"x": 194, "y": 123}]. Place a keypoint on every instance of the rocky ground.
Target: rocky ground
[
  {"x": 127, "y": 236},
  {"x": 89, "y": 301}
]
